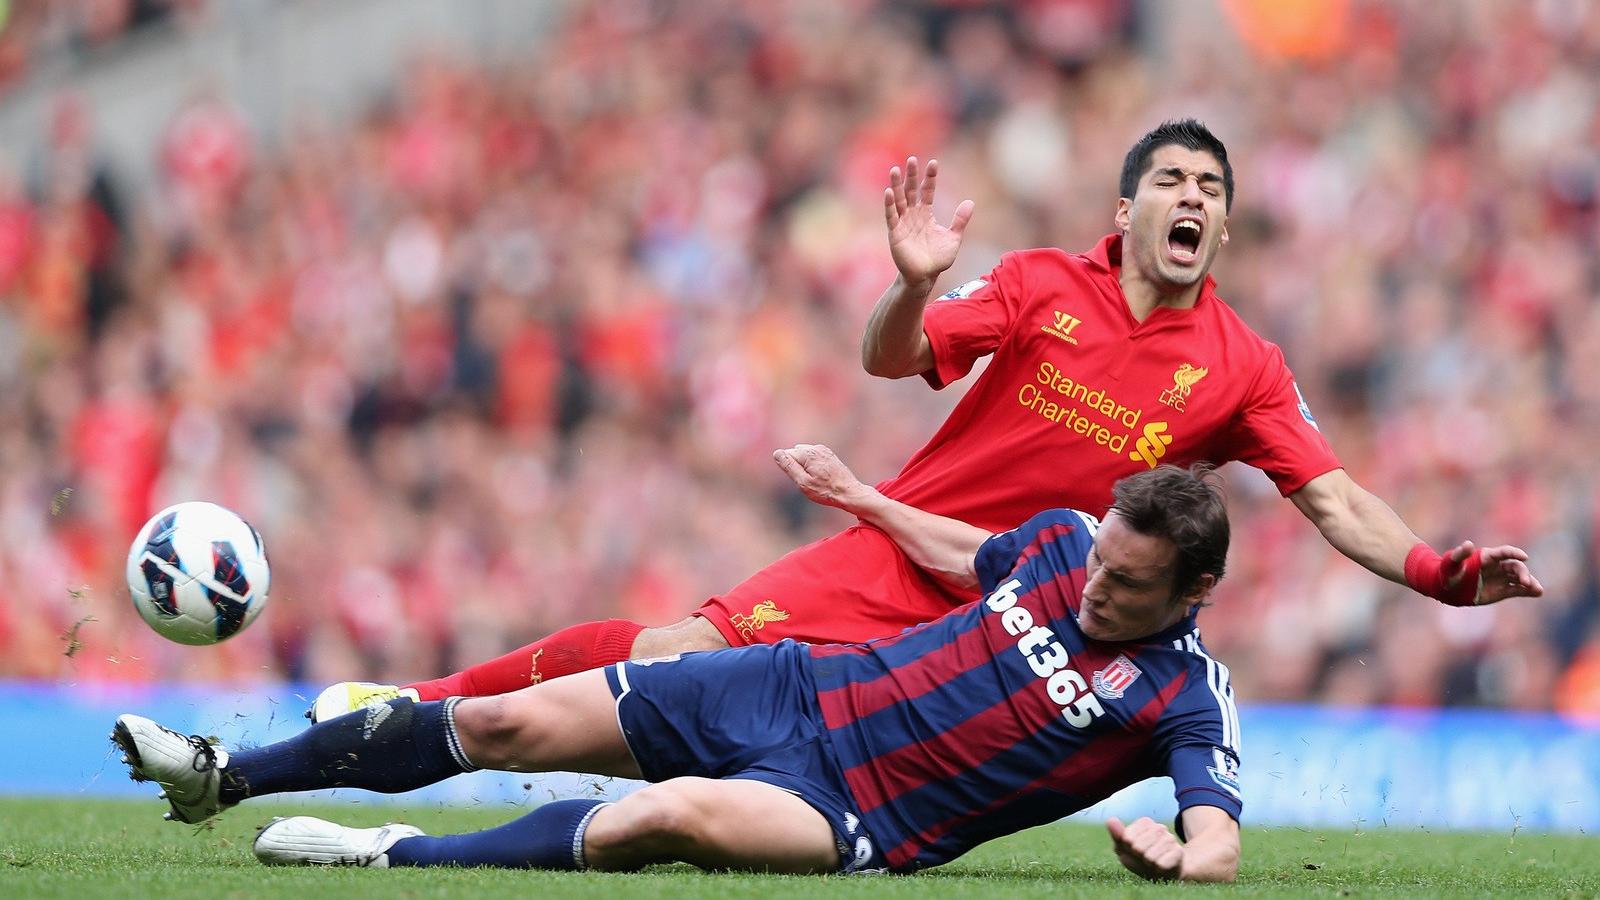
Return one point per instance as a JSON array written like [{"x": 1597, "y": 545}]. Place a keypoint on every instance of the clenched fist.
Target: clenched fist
[{"x": 1147, "y": 848}]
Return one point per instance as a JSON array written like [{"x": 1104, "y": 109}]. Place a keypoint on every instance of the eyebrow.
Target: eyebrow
[
  {"x": 1206, "y": 177},
  {"x": 1126, "y": 577}
]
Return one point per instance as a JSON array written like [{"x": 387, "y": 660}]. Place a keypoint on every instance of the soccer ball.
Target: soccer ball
[{"x": 198, "y": 573}]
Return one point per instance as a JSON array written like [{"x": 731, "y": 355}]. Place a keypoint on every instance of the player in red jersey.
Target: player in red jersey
[{"x": 1102, "y": 364}]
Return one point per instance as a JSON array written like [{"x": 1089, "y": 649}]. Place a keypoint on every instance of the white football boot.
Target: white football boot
[
  {"x": 309, "y": 841},
  {"x": 188, "y": 767},
  {"x": 348, "y": 696}
]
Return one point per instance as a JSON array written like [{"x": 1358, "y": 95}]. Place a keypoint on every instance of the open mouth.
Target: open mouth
[{"x": 1183, "y": 240}]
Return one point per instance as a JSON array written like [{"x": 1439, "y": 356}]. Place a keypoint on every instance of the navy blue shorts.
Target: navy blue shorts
[{"x": 747, "y": 712}]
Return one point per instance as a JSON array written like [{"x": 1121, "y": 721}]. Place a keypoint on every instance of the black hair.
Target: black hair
[{"x": 1186, "y": 133}]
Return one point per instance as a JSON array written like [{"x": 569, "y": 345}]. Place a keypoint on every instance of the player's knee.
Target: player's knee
[
  {"x": 662, "y": 820},
  {"x": 687, "y": 636},
  {"x": 491, "y": 730}
]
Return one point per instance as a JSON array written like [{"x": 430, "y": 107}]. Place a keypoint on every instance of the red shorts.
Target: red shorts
[{"x": 853, "y": 586}]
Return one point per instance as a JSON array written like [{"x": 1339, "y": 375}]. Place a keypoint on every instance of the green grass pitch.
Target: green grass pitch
[{"x": 86, "y": 848}]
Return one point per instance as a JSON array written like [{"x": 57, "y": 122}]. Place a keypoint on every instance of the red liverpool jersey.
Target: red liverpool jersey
[{"x": 1079, "y": 394}]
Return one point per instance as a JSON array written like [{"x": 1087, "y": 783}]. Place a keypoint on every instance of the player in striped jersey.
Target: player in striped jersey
[{"x": 1078, "y": 672}]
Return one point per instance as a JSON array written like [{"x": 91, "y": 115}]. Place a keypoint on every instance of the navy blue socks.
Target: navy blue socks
[
  {"x": 550, "y": 837},
  {"x": 399, "y": 746}
]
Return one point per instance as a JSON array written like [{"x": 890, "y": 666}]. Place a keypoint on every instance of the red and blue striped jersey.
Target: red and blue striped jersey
[{"x": 1002, "y": 715}]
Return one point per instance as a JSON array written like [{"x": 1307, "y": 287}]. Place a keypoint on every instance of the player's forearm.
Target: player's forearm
[
  {"x": 1365, "y": 529},
  {"x": 894, "y": 345},
  {"x": 941, "y": 546},
  {"x": 1358, "y": 524},
  {"x": 1374, "y": 535},
  {"x": 1212, "y": 850}
]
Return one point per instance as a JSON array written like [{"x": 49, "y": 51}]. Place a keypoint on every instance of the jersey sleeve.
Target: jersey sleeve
[
  {"x": 1276, "y": 432},
  {"x": 971, "y": 321},
  {"x": 1198, "y": 737},
  {"x": 1064, "y": 535}
]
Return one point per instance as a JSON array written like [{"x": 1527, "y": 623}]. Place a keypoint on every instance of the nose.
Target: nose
[
  {"x": 1191, "y": 195},
  {"x": 1091, "y": 588}
]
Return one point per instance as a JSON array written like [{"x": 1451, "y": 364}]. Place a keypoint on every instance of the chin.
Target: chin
[
  {"x": 1184, "y": 277},
  {"x": 1097, "y": 634}
]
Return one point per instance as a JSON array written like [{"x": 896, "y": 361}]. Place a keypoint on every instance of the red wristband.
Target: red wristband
[{"x": 1429, "y": 573}]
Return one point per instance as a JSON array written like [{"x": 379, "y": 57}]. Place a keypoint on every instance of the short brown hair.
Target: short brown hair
[
  {"x": 1186, "y": 133},
  {"x": 1185, "y": 506}
]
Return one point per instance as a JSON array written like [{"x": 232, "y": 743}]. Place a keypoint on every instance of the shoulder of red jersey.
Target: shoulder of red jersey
[
  {"x": 1230, "y": 326},
  {"x": 1017, "y": 268},
  {"x": 1061, "y": 260},
  {"x": 1045, "y": 254},
  {"x": 1048, "y": 259},
  {"x": 1229, "y": 320}
]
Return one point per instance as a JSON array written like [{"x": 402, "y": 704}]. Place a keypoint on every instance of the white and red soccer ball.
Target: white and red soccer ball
[{"x": 198, "y": 573}]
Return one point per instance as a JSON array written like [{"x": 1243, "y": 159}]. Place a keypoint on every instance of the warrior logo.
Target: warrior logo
[
  {"x": 533, "y": 667},
  {"x": 760, "y": 614},
  {"x": 1112, "y": 682},
  {"x": 1183, "y": 382},
  {"x": 1062, "y": 327}
]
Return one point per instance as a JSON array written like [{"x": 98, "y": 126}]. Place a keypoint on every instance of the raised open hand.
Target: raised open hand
[
  {"x": 920, "y": 246},
  {"x": 1502, "y": 572}
]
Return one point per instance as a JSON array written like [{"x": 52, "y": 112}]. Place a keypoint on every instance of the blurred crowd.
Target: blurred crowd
[
  {"x": 512, "y": 350},
  {"x": 38, "y": 34}
]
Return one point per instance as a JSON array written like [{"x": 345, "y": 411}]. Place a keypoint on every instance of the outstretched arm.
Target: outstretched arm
[
  {"x": 1361, "y": 526},
  {"x": 1150, "y": 850},
  {"x": 944, "y": 547},
  {"x": 894, "y": 344}
]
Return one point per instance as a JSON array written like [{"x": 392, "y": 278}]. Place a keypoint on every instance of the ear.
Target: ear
[
  {"x": 1201, "y": 590},
  {"x": 1124, "y": 216},
  {"x": 1224, "y": 231}
]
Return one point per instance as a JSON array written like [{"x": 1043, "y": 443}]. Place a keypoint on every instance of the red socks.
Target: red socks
[{"x": 576, "y": 649}]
